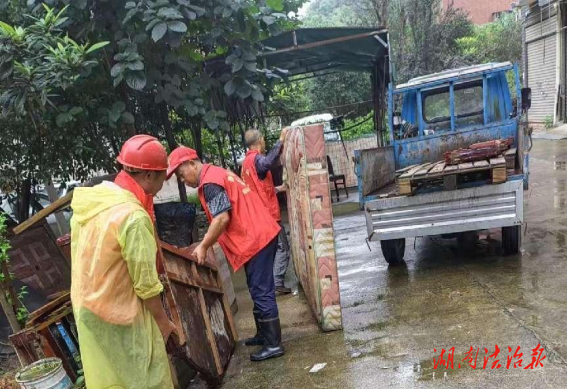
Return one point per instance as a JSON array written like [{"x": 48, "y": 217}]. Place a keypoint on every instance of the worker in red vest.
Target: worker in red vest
[
  {"x": 246, "y": 232},
  {"x": 256, "y": 173}
]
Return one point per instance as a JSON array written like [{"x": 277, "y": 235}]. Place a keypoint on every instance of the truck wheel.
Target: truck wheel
[
  {"x": 394, "y": 250},
  {"x": 511, "y": 239}
]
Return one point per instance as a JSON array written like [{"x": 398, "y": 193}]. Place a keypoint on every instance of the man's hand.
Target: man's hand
[
  {"x": 167, "y": 328},
  {"x": 281, "y": 188},
  {"x": 200, "y": 253}
]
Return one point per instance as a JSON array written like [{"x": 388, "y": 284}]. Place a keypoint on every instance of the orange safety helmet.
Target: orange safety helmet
[
  {"x": 179, "y": 156},
  {"x": 143, "y": 152}
]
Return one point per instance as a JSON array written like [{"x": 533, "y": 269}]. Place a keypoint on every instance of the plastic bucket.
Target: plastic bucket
[{"x": 44, "y": 374}]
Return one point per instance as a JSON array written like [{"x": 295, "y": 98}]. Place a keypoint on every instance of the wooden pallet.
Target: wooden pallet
[{"x": 409, "y": 178}]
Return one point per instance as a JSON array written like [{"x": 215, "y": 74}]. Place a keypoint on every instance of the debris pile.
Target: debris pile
[{"x": 479, "y": 151}]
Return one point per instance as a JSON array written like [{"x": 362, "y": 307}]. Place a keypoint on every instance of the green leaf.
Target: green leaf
[
  {"x": 229, "y": 88},
  {"x": 119, "y": 106},
  {"x": 257, "y": 95},
  {"x": 130, "y": 5},
  {"x": 237, "y": 65},
  {"x": 275, "y": 4},
  {"x": 185, "y": 3},
  {"x": 169, "y": 13},
  {"x": 251, "y": 66},
  {"x": 136, "y": 80},
  {"x": 97, "y": 46},
  {"x": 269, "y": 20},
  {"x": 244, "y": 91},
  {"x": 114, "y": 115},
  {"x": 117, "y": 69},
  {"x": 75, "y": 110},
  {"x": 159, "y": 31},
  {"x": 136, "y": 65},
  {"x": 152, "y": 24},
  {"x": 177, "y": 26},
  {"x": 62, "y": 119},
  {"x": 226, "y": 13},
  {"x": 118, "y": 80},
  {"x": 129, "y": 15},
  {"x": 200, "y": 11},
  {"x": 127, "y": 118}
]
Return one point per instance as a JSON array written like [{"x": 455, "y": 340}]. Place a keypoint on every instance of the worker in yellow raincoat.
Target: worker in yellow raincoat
[{"x": 115, "y": 289}]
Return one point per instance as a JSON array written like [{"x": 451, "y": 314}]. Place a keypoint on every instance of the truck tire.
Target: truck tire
[
  {"x": 394, "y": 250},
  {"x": 511, "y": 239}
]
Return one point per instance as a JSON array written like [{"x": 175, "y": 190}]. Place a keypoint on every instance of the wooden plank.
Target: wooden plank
[
  {"x": 498, "y": 161},
  {"x": 227, "y": 309},
  {"x": 450, "y": 168},
  {"x": 182, "y": 279},
  {"x": 466, "y": 166},
  {"x": 53, "y": 207},
  {"x": 403, "y": 170},
  {"x": 209, "y": 330},
  {"x": 411, "y": 172},
  {"x": 34, "y": 317},
  {"x": 437, "y": 168},
  {"x": 499, "y": 175},
  {"x": 450, "y": 182},
  {"x": 511, "y": 152},
  {"x": 481, "y": 164},
  {"x": 405, "y": 187},
  {"x": 424, "y": 170}
]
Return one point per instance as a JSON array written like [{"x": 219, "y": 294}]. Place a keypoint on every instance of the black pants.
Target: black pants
[{"x": 260, "y": 279}]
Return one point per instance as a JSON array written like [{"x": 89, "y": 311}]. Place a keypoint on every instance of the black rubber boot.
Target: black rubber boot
[
  {"x": 258, "y": 339},
  {"x": 272, "y": 348}
]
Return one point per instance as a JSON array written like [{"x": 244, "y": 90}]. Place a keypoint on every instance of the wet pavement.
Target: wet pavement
[{"x": 395, "y": 318}]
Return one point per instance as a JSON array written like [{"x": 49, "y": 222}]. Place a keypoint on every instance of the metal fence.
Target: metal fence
[{"x": 342, "y": 155}]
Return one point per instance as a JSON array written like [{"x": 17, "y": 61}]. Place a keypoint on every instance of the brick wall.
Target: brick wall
[
  {"x": 480, "y": 11},
  {"x": 343, "y": 162}
]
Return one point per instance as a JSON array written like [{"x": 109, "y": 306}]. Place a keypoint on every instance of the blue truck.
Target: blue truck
[{"x": 429, "y": 116}]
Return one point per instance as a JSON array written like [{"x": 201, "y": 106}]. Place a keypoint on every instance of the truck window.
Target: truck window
[
  {"x": 436, "y": 107},
  {"x": 469, "y": 106}
]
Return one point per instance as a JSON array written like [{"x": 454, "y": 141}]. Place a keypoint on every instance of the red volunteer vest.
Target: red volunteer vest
[
  {"x": 264, "y": 188},
  {"x": 251, "y": 227}
]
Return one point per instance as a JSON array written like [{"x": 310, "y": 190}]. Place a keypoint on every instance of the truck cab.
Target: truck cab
[{"x": 432, "y": 115}]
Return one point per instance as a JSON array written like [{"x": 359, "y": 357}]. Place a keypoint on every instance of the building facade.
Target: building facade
[
  {"x": 545, "y": 70},
  {"x": 481, "y": 11}
]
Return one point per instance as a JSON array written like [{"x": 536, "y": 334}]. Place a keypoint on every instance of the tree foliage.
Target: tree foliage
[{"x": 80, "y": 77}]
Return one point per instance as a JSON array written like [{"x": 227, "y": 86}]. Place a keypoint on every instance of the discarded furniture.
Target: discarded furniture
[
  {"x": 196, "y": 303},
  {"x": 337, "y": 180},
  {"x": 311, "y": 222},
  {"x": 50, "y": 332}
]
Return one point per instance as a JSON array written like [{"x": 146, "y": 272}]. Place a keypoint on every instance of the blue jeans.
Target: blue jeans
[
  {"x": 260, "y": 279},
  {"x": 282, "y": 258}
]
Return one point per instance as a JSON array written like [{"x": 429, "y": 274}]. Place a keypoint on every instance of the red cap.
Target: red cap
[
  {"x": 143, "y": 152},
  {"x": 179, "y": 156}
]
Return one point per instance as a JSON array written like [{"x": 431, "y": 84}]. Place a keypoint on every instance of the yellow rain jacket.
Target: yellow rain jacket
[{"x": 113, "y": 252}]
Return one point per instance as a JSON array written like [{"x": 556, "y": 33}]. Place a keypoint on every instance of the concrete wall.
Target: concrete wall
[{"x": 311, "y": 223}]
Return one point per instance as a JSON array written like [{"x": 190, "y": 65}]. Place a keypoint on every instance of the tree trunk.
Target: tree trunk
[
  {"x": 9, "y": 311},
  {"x": 197, "y": 137},
  {"x": 24, "y": 201}
]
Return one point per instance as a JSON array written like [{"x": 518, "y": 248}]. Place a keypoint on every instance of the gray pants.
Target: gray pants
[{"x": 282, "y": 258}]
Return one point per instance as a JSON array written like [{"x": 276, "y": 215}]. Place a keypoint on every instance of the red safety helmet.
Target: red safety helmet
[
  {"x": 143, "y": 152},
  {"x": 179, "y": 156}
]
